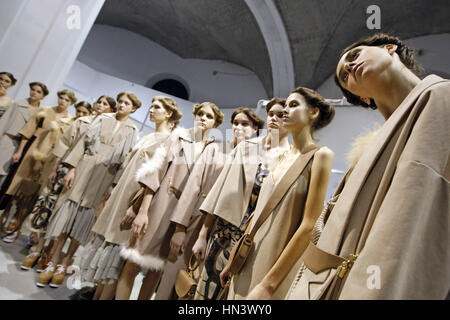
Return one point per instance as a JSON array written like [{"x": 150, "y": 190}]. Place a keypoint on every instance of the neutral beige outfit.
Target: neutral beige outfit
[
  {"x": 5, "y": 103},
  {"x": 273, "y": 235},
  {"x": 11, "y": 123},
  {"x": 96, "y": 157},
  {"x": 101, "y": 260},
  {"x": 166, "y": 176},
  {"x": 394, "y": 209},
  {"x": 45, "y": 137}
]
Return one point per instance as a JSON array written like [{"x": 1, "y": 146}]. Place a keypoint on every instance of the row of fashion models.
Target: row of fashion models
[{"x": 245, "y": 218}]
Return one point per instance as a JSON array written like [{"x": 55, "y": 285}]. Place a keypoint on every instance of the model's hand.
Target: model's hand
[
  {"x": 129, "y": 216},
  {"x": 108, "y": 192},
  {"x": 199, "y": 248},
  {"x": 259, "y": 293},
  {"x": 52, "y": 177},
  {"x": 68, "y": 178},
  {"x": 177, "y": 241},
  {"x": 139, "y": 226},
  {"x": 37, "y": 166},
  {"x": 16, "y": 157},
  {"x": 224, "y": 276}
]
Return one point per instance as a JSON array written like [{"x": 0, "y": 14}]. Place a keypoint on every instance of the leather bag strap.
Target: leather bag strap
[{"x": 281, "y": 188}]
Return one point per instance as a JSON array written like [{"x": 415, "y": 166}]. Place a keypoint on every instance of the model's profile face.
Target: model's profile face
[
  {"x": 81, "y": 112},
  {"x": 205, "y": 118},
  {"x": 358, "y": 69},
  {"x": 5, "y": 81},
  {"x": 102, "y": 106},
  {"x": 158, "y": 113},
  {"x": 64, "y": 101},
  {"x": 36, "y": 93},
  {"x": 296, "y": 113},
  {"x": 243, "y": 128},
  {"x": 275, "y": 119},
  {"x": 125, "y": 105}
]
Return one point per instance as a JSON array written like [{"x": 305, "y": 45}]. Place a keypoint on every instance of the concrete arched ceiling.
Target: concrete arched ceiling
[{"x": 317, "y": 30}]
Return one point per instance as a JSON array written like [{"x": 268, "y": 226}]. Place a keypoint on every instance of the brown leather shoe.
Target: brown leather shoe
[
  {"x": 58, "y": 276},
  {"x": 42, "y": 263},
  {"x": 30, "y": 260},
  {"x": 46, "y": 275}
]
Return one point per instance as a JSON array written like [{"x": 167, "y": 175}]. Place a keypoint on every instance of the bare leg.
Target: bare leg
[
  {"x": 126, "y": 280},
  {"x": 109, "y": 291},
  {"x": 57, "y": 248},
  {"x": 98, "y": 292},
  {"x": 74, "y": 244},
  {"x": 149, "y": 285}
]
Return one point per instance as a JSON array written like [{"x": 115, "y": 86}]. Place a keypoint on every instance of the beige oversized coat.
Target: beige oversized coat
[
  {"x": 108, "y": 223},
  {"x": 230, "y": 195},
  {"x": 394, "y": 209},
  {"x": 65, "y": 144},
  {"x": 42, "y": 146},
  {"x": 92, "y": 176},
  {"x": 166, "y": 175},
  {"x": 12, "y": 121}
]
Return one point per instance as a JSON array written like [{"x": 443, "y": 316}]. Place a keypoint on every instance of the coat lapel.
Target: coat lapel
[{"x": 333, "y": 232}]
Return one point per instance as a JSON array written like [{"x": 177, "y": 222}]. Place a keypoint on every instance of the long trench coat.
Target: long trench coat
[
  {"x": 166, "y": 177},
  {"x": 92, "y": 176},
  {"x": 394, "y": 209},
  {"x": 108, "y": 223},
  {"x": 46, "y": 137},
  {"x": 11, "y": 122}
]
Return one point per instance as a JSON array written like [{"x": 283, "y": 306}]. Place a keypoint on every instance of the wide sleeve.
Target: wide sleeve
[
  {"x": 406, "y": 254},
  {"x": 76, "y": 154},
  {"x": 31, "y": 126},
  {"x": 152, "y": 172},
  {"x": 66, "y": 140},
  {"x": 190, "y": 196}
]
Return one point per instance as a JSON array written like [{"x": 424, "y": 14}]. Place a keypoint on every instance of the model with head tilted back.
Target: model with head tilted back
[
  {"x": 233, "y": 198},
  {"x": 382, "y": 226},
  {"x": 101, "y": 262},
  {"x": 93, "y": 162},
  {"x": 55, "y": 194},
  {"x": 32, "y": 161},
  {"x": 163, "y": 178},
  {"x": 289, "y": 203},
  {"x": 7, "y": 80}
]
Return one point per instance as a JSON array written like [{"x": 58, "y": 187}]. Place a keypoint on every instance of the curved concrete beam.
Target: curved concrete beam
[{"x": 278, "y": 46}]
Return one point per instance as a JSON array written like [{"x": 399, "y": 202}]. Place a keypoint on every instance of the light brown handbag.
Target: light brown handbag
[
  {"x": 242, "y": 248},
  {"x": 185, "y": 283}
]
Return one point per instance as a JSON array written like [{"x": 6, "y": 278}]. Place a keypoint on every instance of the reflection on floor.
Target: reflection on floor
[{"x": 17, "y": 284}]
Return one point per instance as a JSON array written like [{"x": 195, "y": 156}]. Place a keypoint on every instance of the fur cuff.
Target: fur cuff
[
  {"x": 39, "y": 156},
  {"x": 152, "y": 165},
  {"x": 146, "y": 261}
]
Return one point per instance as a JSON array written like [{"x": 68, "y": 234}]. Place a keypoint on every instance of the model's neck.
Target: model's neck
[
  {"x": 34, "y": 103},
  {"x": 162, "y": 127},
  {"x": 61, "y": 109},
  {"x": 200, "y": 135},
  {"x": 301, "y": 140},
  {"x": 394, "y": 89},
  {"x": 275, "y": 139},
  {"x": 121, "y": 117}
]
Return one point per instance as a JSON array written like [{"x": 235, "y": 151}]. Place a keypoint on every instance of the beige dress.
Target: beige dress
[
  {"x": 12, "y": 121},
  {"x": 46, "y": 129},
  {"x": 273, "y": 236},
  {"x": 394, "y": 208},
  {"x": 101, "y": 261},
  {"x": 96, "y": 157},
  {"x": 166, "y": 176}
]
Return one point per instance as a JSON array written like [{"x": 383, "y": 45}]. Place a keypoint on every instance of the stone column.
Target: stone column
[{"x": 42, "y": 38}]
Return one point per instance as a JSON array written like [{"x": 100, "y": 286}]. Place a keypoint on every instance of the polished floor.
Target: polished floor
[{"x": 16, "y": 284}]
